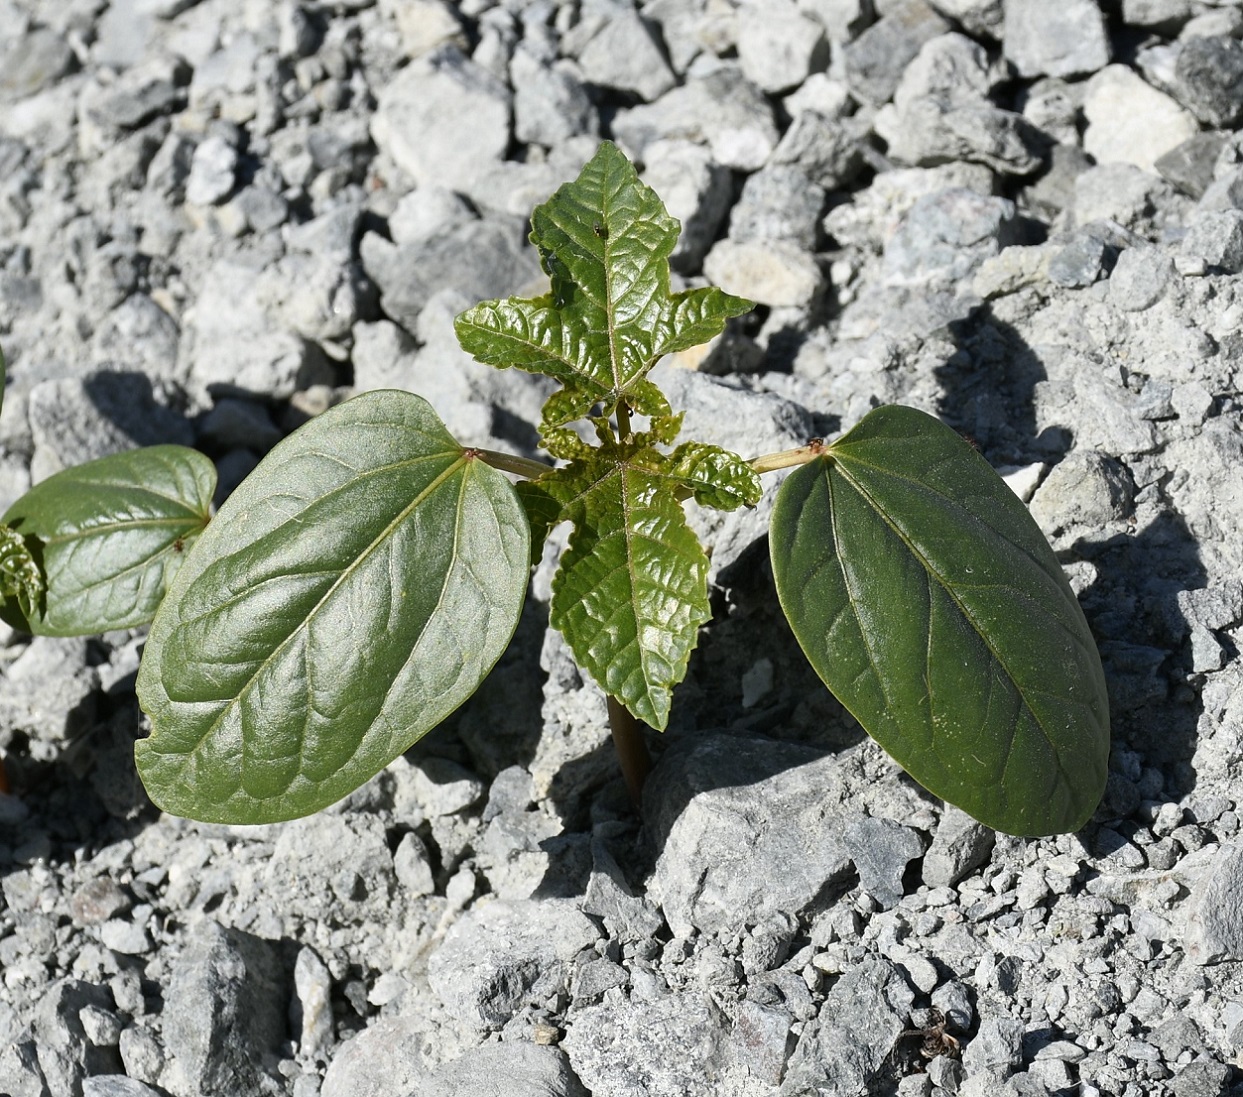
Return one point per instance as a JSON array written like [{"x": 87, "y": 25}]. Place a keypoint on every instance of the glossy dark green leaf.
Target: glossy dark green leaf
[
  {"x": 605, "y": 241},
  {"x": 350, "y": 594},
  {"x": 108, "y": 537},
  {"x": 632, "y": 589},
  {"x": 929, "y": 602}
]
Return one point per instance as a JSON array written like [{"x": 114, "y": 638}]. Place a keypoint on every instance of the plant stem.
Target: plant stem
[
  {"x": 631, "y": 749},
  {"x": 771, "y": 462},
  {"x": 511, "y": 462}
]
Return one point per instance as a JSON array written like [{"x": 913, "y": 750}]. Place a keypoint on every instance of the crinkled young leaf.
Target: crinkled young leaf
[
  {"x": 21, "y": 581},
  {"x": 714, "y": 476},
  {"x": 928, "y": 600},
  {"x": 109, "y": 536},
  {"x": 351, "y": 593},
  {"x": 632, "y": 589},
  {"x": 605, "y": 241}
]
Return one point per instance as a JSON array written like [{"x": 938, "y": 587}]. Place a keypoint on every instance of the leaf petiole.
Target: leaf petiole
[
  {"x": 788, "y": 458},
  {"x": 511, "y": 462}
]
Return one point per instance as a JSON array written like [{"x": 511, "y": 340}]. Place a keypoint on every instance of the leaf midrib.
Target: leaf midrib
[
  {"x": 425, "y": 494},
  {"x": 959, "y": 605}
]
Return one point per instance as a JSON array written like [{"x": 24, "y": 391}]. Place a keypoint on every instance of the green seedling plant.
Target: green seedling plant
[{"x": 359, "y": 585}]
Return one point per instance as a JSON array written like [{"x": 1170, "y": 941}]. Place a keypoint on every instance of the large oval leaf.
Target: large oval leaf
[
  {"x": 108, "y": 537},
  {"x": 929, "y": 602},
  {"x": 352, "y": 592}
]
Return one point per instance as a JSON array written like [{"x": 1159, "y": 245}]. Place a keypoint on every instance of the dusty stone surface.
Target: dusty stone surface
[{"x": 219, "y": 218}]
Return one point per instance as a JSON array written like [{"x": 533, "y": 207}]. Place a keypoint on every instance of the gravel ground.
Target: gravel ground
[{"x": 220, "y": 217}]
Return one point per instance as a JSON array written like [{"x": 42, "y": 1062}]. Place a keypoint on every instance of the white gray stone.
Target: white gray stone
[
  {"x": 775, "y": 273},
  {"x": 311, "y": 1014},
  {"x": 778, "y": 202},
  {"x": 778, "y": 46},
  {"x": 981, "y": 18},
  {"x": 501, "y": 954},
  {"x": 426, "y": 212},
  {"x": 477, "y": 259},
  {"x": 1073, "y": 43},
  {"x": 498, "y": 1070},
  {"x": 859, "y": 1024},
  {"x": 945, "y": 236},
  {"x": 116, "y": 1085},
  {"x": 1217, "y": 240},
  {"x": 74, "y": 420},
  {"x": 876, "y": 59},
  {"x": 959, "y": 846},
  {"x": 422, "y": 114},
  {"x": 425, "y": 25},
  {"x": 873, "y": 215},
  {"x": 1131, "y": 122},
  {"x": 826, "y": 150},
  {"x": 928, "y": 130},
  {"x": 383, "y": 1059},
  {"x": 1139, "y": 278},
  {"x": 624, "y": 55},
  {"x": 659, "y": 1044},
  {"x": 213, "y": 171},
  {"x": 224, "y": 1015},
  {"x": 740, "y": 825},
  {"x": 842, "y": 19},
  {"x": 550, "y": 102},
  {"x": 723, "y": 109},
  {"x": 231, "y": 345},
  {"x": 1208, "y": 80},
  {"x": 444, "y": 787}
]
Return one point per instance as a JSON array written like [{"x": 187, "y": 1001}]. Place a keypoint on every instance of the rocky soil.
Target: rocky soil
[{"x": 220, "y": 217}]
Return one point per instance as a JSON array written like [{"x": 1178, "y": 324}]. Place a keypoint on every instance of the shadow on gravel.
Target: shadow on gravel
[
  {"x": 989, "y": 391},
  {"x": 85, "y": 798},
  {"x": 1133, "y": 610}
]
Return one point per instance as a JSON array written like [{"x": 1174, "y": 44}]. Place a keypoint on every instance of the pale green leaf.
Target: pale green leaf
[
  {"x": 928, "y": 600},
  {"x": 715, "y": 477},
  {"x": 108, "y": 537},
  {"x": 605, "y": 241},
  {"x": 351, "y": 593}
]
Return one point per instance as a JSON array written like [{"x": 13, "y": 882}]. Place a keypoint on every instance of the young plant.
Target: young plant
[{"x": 363, "y": 580}]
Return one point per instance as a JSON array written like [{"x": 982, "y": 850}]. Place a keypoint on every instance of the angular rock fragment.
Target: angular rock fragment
[
  {"x": 501, "y": 954},
  {"x": 1130, "y": 121},
  {"x": 876, "y": 59},
  {"x": 224, "y": 1015},
  {"x": 778, "y": 273},
  {"x": 623, "y": 54},
  {"x": 744, "y": 830},
  {"x": 512, "y": 1068},
  {"x": 695, "y": 189},
  {"x": 1208, "y": 80},
  {"x": 550, "y": 102},
  {"x": 858, "y": 1026},
  {"x": 422, "y": 114},
  {"x": 385, "y": 1058},
  {"x": 778, "y": 46},
  {"x": 667, "y": 1044},
  {"x": 1073, "y": 43},
  {"x": 946, "y": 236},
  {"x": 723, "y": 109}
]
